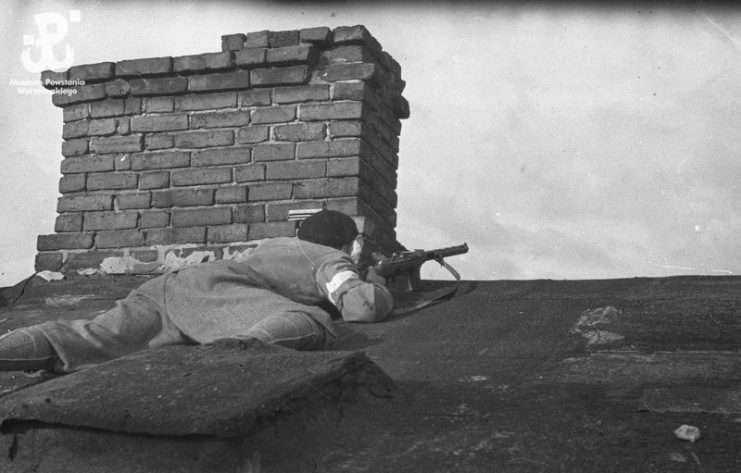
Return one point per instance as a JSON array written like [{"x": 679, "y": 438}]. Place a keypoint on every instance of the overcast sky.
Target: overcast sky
[{"x": 564, "y": 142}]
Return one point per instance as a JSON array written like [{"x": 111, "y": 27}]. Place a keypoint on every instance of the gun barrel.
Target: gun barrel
[{"x": 445, "y": 252}]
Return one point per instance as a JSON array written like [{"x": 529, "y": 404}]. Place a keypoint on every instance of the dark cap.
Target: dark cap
[{"x": 328, "y": 228}]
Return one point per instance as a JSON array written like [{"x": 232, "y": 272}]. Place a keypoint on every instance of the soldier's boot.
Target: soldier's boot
[{"x": 26, "y": 349}]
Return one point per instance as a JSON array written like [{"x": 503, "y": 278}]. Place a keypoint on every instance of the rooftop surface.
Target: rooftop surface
[{"x": 512, "y": 376}]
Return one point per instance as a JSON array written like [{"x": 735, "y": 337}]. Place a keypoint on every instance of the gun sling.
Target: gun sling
[{"x": 438, "y": 295}]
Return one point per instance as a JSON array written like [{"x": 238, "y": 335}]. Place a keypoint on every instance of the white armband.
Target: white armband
[{"x": 338, "y": 280}]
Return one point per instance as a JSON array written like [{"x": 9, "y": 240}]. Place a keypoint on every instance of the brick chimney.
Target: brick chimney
[{"x": 174, "y": 160}]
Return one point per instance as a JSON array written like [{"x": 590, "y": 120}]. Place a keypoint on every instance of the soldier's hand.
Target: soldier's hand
[{"x": 372, "y": 276}]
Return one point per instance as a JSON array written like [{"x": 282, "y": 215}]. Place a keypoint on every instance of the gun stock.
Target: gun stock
[{"x": 409, "y": 263}]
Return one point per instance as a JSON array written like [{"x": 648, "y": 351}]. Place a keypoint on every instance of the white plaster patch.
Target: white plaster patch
[
  {"x": 173, "y": 261},
  {"x": 126, "y": 265},
  {"x": 587, "y": 324},
  {"x": 50, "y": 275},
  {"x": 237, "y": 254}
]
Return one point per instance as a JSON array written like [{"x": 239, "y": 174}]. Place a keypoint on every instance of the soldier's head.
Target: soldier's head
[{"x": 329, "y": 228}]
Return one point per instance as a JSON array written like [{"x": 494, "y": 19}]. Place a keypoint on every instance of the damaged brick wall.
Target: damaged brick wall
[{"x": 173, "y": 160}]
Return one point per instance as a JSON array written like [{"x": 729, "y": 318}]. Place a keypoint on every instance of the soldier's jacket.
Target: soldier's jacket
[{"x": 224, "y": 298}]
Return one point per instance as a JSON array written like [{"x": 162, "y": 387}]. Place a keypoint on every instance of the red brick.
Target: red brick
[
  {"x": 132, "y": 106},
  {"x": 355, "y": 71},
  {"x": 123, "y": 126},
  {"x": 84, "y": 203},
  {"x": 300, "y": 132},
  {"x": 193, "y": 217},
  {"x": 81, "y": 93},
  {"x": 154, "y": 219},
  {"x": 249, "y": 57},
  {"x": 160, "y": 160},
  {"x": 287, "y": 54},
  {"x": 336, "y": 187},
  {"x": 384, "y": 130},
  {"x": 159, "y": 141},
  {"x": 327, "y": 149},
  {"x": 347, "y": 53},
  {"x": 255, "y": 98},
  {"x": 253, "y": 134},
  {"x": 75, "y": 129},
  {"x": 69, "y": 222},
  {"x": 88, "y": 259},
  {"x": 72, "y": 183},
  {"x": 138, "y": 200},
  {"x": 87, "y": 164},
  {"x": 348, "y": 206},
  {"x": 270, "y": 191},
  {"x": 206, "y": 101},
  {"x": 357, "y": 33},
  {"x": 102, "y": 127},
  {"x": 117, "y": 88},
  {"x": 51, "y": 79},
  {"x": 219, "y": 81},
  {"x": 249, "y": 213},
  {"x": 116, "y": 144},
  {"x": 231, "y": 194},
  {"x": 145, "y": 256},
  {"x": 204, "y": 139},
  {"x": 119, "y": 239},
  {"x": 70, "y": 241},
  {"x": 281, "y": 39},
  {"x": 118, "y": 180},
  {"x": 75, "y": 147},
  {"x": 345, "y": 128},
  {"x": 279, "y": 76},
  {"x": 314, "y": 35},
  {"x": 227, "y": 233},
  {"x": 257, "y": 39},
  {"x": 76, "y": 112},
  {"x": 122, "y": 162},
  {"x": 168, "y": 236},
  {"x": 109, "y": 220},
  {"x": 302, "y": 93},
  {"x": 349, "y": 91},
  {"x": 331, "y": 111},
  {"x": 107, "y": 108},
  {"x": 273, "y": 115},
  {"x": 296, "y": 170},
  {"x": 147, "y": 66},
  {"x": 261, "y": 230},
  {"x": 182, "y": 198},
  {"x": 191, "y": 177},
  {"x": 48, "y": 262},
  {"x": 273, "y": 152},
  {"x": 221, "y": 156},
  {"x": 154, "y": 180},
  {"x": 279, "y": 211},
  {"x": 232, "y": 42},
  {"x": 380, "y": 145},
  {"x": 353, "y": 166},
  {"x": 250, "y": 172},
  {"x": 167, "y": 122},
  {"x": 202, "y": 62},
  {"x": 220, "y": 119},
  {"x": 160, "y": 104}
]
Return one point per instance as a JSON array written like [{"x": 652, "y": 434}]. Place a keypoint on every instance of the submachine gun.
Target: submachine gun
[{"x": 407, "y": 264}]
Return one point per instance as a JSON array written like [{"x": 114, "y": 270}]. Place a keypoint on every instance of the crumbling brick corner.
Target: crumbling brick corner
[{"x": 174, "y": 160}]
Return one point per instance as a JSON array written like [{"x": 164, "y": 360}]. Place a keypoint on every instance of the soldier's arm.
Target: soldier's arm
[{"x": 357, "y": 300}]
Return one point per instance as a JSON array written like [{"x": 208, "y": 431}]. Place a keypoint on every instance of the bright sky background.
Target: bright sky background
[{"x": 559, "y": 142}]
